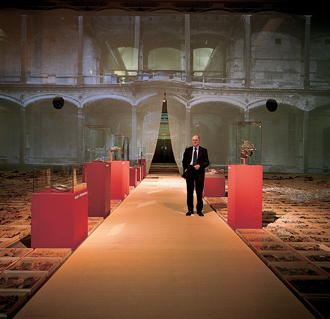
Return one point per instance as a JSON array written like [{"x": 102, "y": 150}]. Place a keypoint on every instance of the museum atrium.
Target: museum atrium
[{"x": 125, "y": 85}]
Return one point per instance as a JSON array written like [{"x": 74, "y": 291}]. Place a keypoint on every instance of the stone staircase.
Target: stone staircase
[{"x": 164, "y": 169}]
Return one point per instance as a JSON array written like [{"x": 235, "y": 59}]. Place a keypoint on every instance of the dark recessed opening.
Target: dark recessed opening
[
  {"x": 58, "y": 102},
  {"x": 271, "y": 105}
]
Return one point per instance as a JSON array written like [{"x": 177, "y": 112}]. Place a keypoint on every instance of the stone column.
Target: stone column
[
  {"x": 80, "y": 79},
  {"x": 247, "y": 49},
  {"x": 23, "y": 49},
  {"x": 22, "y": 136},
  {"x": 138, "y": 45},
  {"x": 187, "y": 48},
  {"x": 246, "y": 115},
  {"x": 305, "y": 141},
  {"x": 80, "y": 137},
  {"x": 133, "y": 142},
  {"x": 187, "y": 126},
  {"x": 307, "y": 52}
]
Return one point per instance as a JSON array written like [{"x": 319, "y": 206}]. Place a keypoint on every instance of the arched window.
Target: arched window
[{"x": 165, "y": 59}]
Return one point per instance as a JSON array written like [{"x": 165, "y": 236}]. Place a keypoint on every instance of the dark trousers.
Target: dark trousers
[{"x": 194, "y": 180}]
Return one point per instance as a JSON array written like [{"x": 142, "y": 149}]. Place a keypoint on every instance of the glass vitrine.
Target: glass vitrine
[
  {"x": 116, "y": 145},
  {"x": 245, "y": 143},
  {"x": 97, "y": 143},
  {"x": 126, "y": 149},
  {"x": 58, "y": 178}
]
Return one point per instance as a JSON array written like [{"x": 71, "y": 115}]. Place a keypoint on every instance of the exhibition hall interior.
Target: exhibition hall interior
[{"x": 99, "y": 100}]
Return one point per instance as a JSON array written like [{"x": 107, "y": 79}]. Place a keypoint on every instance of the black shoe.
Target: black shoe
[
  {"x": 189, "y": 213},
  {"x": 200, "y": 213}
]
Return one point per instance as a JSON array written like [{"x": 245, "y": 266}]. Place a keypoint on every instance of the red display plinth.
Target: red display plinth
[
  {"x": 84, "y": 173},
  {"x": 133, "y": 176},
  {"x": 99, "y": 188},
  {"x": 245, "y": 196},
  {"x": 139, "y": 173},
  {"x": 214, "y": 185},
  {"x": 143, "y": 164},
  {"x": 119, "y": 179},
  {"x": 59, "y": 219}
]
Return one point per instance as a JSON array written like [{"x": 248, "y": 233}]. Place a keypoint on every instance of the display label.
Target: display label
[{"x": 81, "y": 194}]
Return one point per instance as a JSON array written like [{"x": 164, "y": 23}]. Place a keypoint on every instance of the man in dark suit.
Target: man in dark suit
[{"x": 194, "y": 162}]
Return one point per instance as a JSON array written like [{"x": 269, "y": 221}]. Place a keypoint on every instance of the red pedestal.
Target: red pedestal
[
  {"x": 99, "y": 188},
  {"x": 59, "y": 219},
  {"x": 245, "y": 196},
  {"x": 214, "y": 185},
  {"x": 119, "y": 179},
  {"x": 143, "y": 164},
  {"x": 133, "y": 176},
  {"x": 84, "y": 173},
  {"x": 139, "y": 173}
]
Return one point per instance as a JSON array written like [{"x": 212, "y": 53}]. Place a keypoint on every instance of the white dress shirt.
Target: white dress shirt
[{"x": 192, "y": 155}]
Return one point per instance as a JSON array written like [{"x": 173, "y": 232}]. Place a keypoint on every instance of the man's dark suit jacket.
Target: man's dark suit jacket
[{"x": 202, "y": 160}]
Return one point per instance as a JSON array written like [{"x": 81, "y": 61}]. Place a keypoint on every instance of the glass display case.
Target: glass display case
[
  {"x": 126, "y": 149},
  {"x": 97, "y": 143},
  {"x": 58, "y": 178},
  {"x": 245, "y": 143},
  {"x": 142, "y": 162},
  {"x": 116, "y": 147}
]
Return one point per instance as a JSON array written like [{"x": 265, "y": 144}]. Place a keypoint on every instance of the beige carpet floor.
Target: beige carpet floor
[{"x": 149, "y": 260}]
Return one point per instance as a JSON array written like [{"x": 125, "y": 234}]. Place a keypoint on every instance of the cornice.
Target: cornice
[
  {"x": 186, "y": 6},
  {"x": 142, "y": 87},
  {"x": 24, "y": 94}
]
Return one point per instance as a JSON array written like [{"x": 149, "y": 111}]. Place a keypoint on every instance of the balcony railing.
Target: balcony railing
[{"x": 257, "y": 80}]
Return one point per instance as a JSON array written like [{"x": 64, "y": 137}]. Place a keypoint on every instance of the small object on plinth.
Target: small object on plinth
[
  {"x": 217, "y": 170},
  {"x": 115, "y": 149},
  {"x": 61, "y": 187},
  {"x": 246, "y": 149}
]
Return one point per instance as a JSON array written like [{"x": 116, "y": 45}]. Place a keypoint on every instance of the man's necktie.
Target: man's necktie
[{"x": 195, "y": 157}]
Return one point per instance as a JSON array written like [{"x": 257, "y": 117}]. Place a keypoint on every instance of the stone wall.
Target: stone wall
[{"x": 216, "y": 68}]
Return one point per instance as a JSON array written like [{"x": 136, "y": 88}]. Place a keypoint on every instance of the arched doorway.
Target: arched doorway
[
  {"x": 11, "y": 145},
  {"x": 163, "y": 161}
]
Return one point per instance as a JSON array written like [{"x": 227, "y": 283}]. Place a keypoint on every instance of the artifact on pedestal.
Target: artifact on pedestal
[{"x": 246, "y": 149}]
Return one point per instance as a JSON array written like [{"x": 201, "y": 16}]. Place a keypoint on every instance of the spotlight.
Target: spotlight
[
  {"x": 271, "y": 105},
  {"x": 58, "y": 102}
]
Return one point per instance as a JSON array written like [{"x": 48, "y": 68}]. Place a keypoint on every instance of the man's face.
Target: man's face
[{"x": 195, "y": 141}]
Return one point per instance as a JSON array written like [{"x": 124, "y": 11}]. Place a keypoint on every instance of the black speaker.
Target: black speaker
[
  {"x": 58, "y": 102},
  {"x": 271, "y": 105}
]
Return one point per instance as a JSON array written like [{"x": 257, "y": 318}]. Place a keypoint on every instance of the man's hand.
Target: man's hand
[{"x": 197, "y": 167}]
